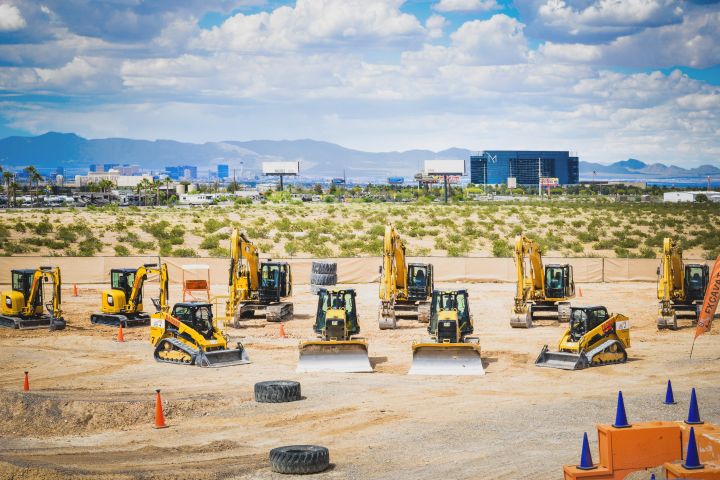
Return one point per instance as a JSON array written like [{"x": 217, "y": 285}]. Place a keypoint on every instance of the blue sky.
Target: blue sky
[{"x": 609, "y": 79}]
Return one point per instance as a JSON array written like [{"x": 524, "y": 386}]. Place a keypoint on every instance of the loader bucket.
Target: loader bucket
[
  {"x": 561, "y": 360},
  {"x": 345, "y": 356},
  {"x": 222, "y": 358},
  {"x": 446, "y": 359}
]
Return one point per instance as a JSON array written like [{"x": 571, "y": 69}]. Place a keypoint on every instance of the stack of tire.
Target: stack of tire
[{"x": 323, "y": 274}]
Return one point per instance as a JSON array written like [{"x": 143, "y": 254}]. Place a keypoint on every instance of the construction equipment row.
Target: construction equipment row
[{"x": 189, "y": 334}]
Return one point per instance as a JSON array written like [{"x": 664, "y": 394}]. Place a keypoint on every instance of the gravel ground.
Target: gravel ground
[{"x": 90, "y": 411}]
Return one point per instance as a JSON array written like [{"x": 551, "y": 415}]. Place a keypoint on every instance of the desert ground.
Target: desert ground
[
  {"x": 90, "y": 410},
  {"x": 589, "y": 228}
]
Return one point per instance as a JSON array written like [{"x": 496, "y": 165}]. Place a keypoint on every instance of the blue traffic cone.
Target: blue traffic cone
[
  {"x": 586, "y": 462},
  {"x": 652, "y": 476},
  {"x": 692, "y": 460},
  {"x": 620, "y": 417},
  {"x": 694, "y": 412},
  {"x": 669, "y": 397}
]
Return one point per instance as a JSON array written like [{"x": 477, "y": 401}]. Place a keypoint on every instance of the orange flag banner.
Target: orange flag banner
[{"x": 710, "y": 303}]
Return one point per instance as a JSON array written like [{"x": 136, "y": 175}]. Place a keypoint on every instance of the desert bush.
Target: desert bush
[
  {"x": 121, "y": 250},
  {"x": 500, "y": 248},
  {"x": 184, "y": 252}
]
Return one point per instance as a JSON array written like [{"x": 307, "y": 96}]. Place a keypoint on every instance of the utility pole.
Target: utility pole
[{"x": 540, "y": 177}]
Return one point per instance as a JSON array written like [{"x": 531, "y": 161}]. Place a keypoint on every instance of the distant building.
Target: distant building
[
  {"x": 109, "y": 166},
  {"x": 181, "y": 172},
  {"x": 223, "y": 171},
  {"x": 120, "y": 181},
  {"x": 496, "y": 166},
  {"x": 95, "y": 168},
  {"x": 676, "y": 197}
]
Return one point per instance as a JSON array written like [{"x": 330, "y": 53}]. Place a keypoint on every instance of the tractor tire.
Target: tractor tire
[
  {"x": 299, "y": 459},
  {"x": 323, "y": 278},
  {"x": 277, "y": 391},
  {"x": 315, "y": 289},
  {"x": 324, "y": 267}
]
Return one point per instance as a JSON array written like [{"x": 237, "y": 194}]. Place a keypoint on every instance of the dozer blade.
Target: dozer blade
[
  {"x": 222, "y": 358},
  {"x": 561, "y": 360},
  {"x": 446, "y": 359},
  {"x": 348, "y": 356}
]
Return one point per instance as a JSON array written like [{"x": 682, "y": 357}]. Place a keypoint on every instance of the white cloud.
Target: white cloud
[
  {"x": 313, "y": 23},
  {"x": 10, "y": 18},
  {"x": 466, "y": 5},
  {"x": 435, "y": 24}
]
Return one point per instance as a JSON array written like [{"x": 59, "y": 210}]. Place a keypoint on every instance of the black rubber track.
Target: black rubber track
[
  {"x": 324, "y": 267},
  {"x": 323, "y": 278},
  {"x": 277, "y": 391},
  {"x": 299, "y": 459}
]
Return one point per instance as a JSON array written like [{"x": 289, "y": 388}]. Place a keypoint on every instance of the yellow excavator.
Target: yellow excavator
[
  {"x": 593, "y": 338},
  {"x": 681, "y": 287},
  {"x": 405, "y": 289},
  {"x": 451, "y": 350},
  {"x": 22, "y": 306},
  {"x": 189, "y": 335},
  {"x": 337, "y": 349},
  {"x": 256, "y": 289},
  {"x": 122, "y": 304},
  {"x": 541, "y": 289}
]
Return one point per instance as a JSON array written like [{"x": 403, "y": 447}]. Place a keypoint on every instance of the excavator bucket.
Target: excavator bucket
[
  {"x": 561, "y": 360},
  {"x": 348, "y": 356},
  {"x": 446, "y": 359},
  {"x": 222, "y": 358}
]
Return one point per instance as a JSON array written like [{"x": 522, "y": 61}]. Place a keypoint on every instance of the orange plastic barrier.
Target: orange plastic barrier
[{"x": 650, "y": 444}]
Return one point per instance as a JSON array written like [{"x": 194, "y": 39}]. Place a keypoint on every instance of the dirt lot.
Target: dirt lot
[{"x": 90, "y": 411}]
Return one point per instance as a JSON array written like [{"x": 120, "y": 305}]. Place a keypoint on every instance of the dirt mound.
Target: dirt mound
[{"x": 29, "y": 414}]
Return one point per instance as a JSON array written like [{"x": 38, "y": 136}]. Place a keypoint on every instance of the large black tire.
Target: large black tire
[
  {"x": 324, "y": 267},
  {"x": 277, "y": 391},
  {"x": 299, "y": 459},
  {"x": 323, "y": 278}
]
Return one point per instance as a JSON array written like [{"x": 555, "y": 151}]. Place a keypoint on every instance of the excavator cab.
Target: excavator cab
[
  {"x": 696, "y": 281},
  {"x": 420, "y": 281},
  {"x": 15, "y": 301},
  {"x": 275, "y": 281},
  {"x": 559, "y": 282},
  {"x": 121, "y": 285}
]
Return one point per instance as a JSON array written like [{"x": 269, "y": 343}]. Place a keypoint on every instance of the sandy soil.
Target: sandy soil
[{"x": 91, "y": 407}]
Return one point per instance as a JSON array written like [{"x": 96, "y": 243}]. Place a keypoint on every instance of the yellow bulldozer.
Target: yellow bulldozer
[
  {"x": 543, "y": 291},
  {"x": 122, "y": 304},
  {"x": 593, "y": 338},
  {"x": 337, "y": 349},
  {"x": 256, "y": 288},
  {"x": 189, "y": 335},
  {"x": 451, "y": 350},
  {"x": 405, "y": 289},
  {"x": 23, "y": 306},
  {"x": 681, "y": 287}
]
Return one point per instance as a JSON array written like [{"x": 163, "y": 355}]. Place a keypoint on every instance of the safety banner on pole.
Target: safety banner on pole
[{"x": 710, "y": 303}]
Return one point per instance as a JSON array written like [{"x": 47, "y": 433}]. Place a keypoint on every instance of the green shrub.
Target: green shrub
[
  {"x": 184, "y": 252},
  {"x": 121, "y": 251},
  {"x": 210, "y": 243},
  {"x": 212, "y": 225},
  {"x": 501, "y": 249}
]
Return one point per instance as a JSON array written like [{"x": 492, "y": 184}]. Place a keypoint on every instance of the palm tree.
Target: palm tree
[
  {"x": 8, "y": 178},
  {"x": 105, "y": 185},
  {"x": 156, "y": 185},
  {"x": 33, "y": 177},
  {"x": 167, "y": 189}
]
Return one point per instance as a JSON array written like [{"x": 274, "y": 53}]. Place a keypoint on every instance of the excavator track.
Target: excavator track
[
  {"x": 609, "y": 353},
  {"x": 116, "y": 320},
  {"x": 32, "y": 323},
  {"x": 279, "y": 312},
  {"x": 172, "y": 350}
]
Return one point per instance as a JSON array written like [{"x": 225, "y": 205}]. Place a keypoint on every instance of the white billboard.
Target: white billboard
[
  {"x": 512, "y": 182},
  {"x": 281, "y": 168},
  {"x": 445, "y": 167}
]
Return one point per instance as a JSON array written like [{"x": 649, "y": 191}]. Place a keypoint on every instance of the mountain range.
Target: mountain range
[{"x": 317, "y": 159}]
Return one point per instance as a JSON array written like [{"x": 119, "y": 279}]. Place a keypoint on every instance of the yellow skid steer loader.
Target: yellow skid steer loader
[
  {"x": 451, "y": 350},
  {"x": 337, "y": 348},
  {"x": 593, "y": 338}
]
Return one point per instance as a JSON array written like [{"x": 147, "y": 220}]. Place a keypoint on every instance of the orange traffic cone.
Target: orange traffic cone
[
  {"x": 121, "y": 337},
  {"x": 282, "y": 330},
  {"x": 75, "y": 293},
  {"x": 26, "y": 383},
  {"x": 580, "y": 292},
  {"x": 159, "y": 416}
]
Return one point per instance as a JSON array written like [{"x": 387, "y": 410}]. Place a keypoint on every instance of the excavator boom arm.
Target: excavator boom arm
[
  {"x": 393, "y": 282},
  {"x": 530, "y": 282},
  {"x": 671, "y": 284},
  {"x": 141, "y": 275}
]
